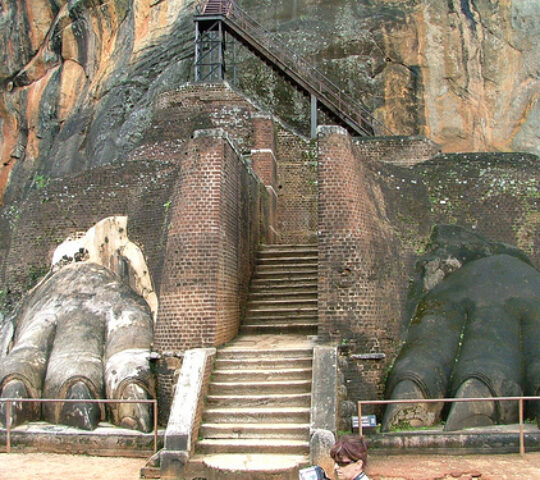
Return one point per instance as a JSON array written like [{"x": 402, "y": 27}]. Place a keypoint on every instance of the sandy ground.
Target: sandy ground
[{"x": 411, "y": 467}]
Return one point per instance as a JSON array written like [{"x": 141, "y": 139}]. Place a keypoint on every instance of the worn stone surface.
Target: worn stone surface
[
  {"x": 472, "y": 333},
  {"x": 441, "y": 69},
  {"x": 81, "y": 333}
]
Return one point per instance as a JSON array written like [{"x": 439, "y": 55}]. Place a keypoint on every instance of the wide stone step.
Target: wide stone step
[
  {"x": 276, "y": 304},
  {"x": 273, "y": 400},
  {"x": 284, "y": 270},
  {"x": 251, "y": 353},
  {"x": 288, "y": 281},
  {"x": 279, "y": 317},
  {"x": 251, "y": 466},
  {"x": 261, "y": 363},
  {"x": 279, "y": 329},
  {"x": 257, "y": 415},
  {"x": 287, "y": 267},
  {"x": 292, "y": 431},
  {"x": 259, "y": 388},
  {"x": 281, "y": 260},
  {"x": 282, "y": 311},
  {"x": 266, "y": 250},
  {"x": 261, "y": 375},
  {"x": 292, "y": 301},
  {"x": 284, "y": 293},
  {"x": 280, "y": 323},
  {"x": 264, "y": 290},
  {"x": 264, "y": 445}
]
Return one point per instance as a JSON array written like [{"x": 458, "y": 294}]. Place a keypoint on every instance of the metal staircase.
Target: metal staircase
[{"x": 217, "y": 16}]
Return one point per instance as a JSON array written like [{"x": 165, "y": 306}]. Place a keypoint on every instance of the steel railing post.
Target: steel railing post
[
  {"x": 8, "y": 427},
  {"x": 360, "y": 431},
  {"x": 155, "y": 426},
  {"x": 521, "y": 429}
]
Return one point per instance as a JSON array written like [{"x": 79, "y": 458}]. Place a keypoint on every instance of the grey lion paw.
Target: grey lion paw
[
  {"x": 84, "y": 415},
  {"x": 20, "y": 412},
  {"x": 410, "y": 414}
]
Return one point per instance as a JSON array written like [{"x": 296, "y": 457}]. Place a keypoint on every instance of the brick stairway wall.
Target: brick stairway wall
[
  {"x": 361, "y": 281},
  {"x": 216, "y": 212},
  {"x": 297, "y": 189},
  {"x": 375, "y": 217}
]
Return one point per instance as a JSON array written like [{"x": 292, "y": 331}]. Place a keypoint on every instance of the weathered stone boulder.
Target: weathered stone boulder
[
  {"x": 80, "y": 334},
  {"x": 474, "y": 333}
]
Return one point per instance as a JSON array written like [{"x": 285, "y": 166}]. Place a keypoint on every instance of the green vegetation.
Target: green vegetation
[{"x": 41, "y": 181}]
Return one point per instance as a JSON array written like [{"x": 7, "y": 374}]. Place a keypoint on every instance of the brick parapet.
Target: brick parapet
[
  {"x": 360, "y": 276},
  {"x": 138, "y": 188},
  {"x": 296, "y": 189},
  {"x": 400, "y": 150},
  {"x": 213, "y": 234}
]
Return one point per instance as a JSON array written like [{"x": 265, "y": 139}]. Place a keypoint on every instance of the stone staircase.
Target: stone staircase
[
  {"x": 259, "y": 397},
  {"x": 259, "y": 402},
  {"x": 283, "y": 292}
]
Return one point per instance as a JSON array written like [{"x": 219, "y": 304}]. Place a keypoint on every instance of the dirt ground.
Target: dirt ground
[{"x": 40, "y": 466}]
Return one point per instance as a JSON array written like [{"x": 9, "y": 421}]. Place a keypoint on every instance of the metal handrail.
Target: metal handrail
[
  {"x": 9, "y": 401},
  {"x": 326, "y": 90},
  {"x": 454, "y": 400}
]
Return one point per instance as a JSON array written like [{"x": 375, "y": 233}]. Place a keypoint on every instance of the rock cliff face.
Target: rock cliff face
[{"x": 78, "y": 77}]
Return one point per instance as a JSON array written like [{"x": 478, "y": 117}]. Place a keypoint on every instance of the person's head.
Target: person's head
[{"x": 350, "y": 456}]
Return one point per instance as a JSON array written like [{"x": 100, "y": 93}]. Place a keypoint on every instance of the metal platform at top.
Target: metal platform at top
[{"x": 215, "y": 17}]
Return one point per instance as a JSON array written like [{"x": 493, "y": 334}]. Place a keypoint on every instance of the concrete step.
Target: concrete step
[
  {"x": 285, "y": 272},
  {"x": 292, "y": 315},
  {"x": 284, "y": 293},
  {"x": 261, "y": 363},
  {"x": 265, "y": 289},
  {"x": 251, "y": 466},
  {"x": 235, "y": 353},
  {"x": 263, "y": 445},
  {"x": 259, "y": 388},
  {"x": 292, "y": 431},
  {"x": 257, "y": 415},
  {"x": 277, "y": 302},
  {"x": 286, "y": 260},
  {"x": 288, "y": 280},
  {"x": 285, "y": 249},
  {"x": 279, "y": 317},
  {"x": 261, "y": 375},
  {"x": 280, "y": 326},
  {"x": 287, "y": 267},
  {"x": 273, "y": 400},
  {"x": 282, "y": 311},
  {"x": 270, "y": 328}
]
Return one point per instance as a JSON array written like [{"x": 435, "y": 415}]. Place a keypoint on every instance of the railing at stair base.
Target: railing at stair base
[{"x": 361, "y": 403}]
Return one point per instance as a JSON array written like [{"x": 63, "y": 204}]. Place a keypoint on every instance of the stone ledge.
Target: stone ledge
[
  {"x": 498, "y": 439},
  {"x": 105, "y": 441}
]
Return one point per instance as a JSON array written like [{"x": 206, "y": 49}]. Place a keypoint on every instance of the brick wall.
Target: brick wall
[
  {"x": 375, "y": 219},
  {"x": 217, "y": 207},
  {"x": 361, "y": 276},
  {"x": 137, "y": 188},
  {"x": 494, "y": 194},
  {"x": 203, "y": 106},
  {"x": 279, "y": 156},
  {"x": 297, "y": 188},
  {"x": 402, "y": 151}
]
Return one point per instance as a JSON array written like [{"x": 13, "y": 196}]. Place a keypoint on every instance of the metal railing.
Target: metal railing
[
  {"x": 353, "y": 113},
  {"x": 520, "y": 401},
  {"x": 9, "y": 401}
]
